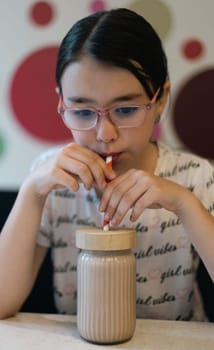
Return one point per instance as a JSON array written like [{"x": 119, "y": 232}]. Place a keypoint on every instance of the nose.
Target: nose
[{"x": 106, "y": 130}]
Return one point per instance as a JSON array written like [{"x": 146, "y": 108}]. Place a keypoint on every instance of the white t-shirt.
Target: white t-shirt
[{"x": 165, "y": 259}]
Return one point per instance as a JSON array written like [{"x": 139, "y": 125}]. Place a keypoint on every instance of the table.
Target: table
[{"x": 50, "y": 332}]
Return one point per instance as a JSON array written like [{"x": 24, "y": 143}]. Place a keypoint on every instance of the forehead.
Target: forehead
[{"x": 98, "y": 80}]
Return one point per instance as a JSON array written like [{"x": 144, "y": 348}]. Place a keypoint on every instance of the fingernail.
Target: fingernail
[
  {"x": 112, "y": 175},
  {"x": 101, "y": 207},
  {"x": 106, "y": 217},
  {"x": 115, "y": 221},
  {"x": 132, "y": 218}
]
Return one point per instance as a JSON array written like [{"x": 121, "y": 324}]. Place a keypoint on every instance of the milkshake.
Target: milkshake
[{"x": 106, "y": 294}]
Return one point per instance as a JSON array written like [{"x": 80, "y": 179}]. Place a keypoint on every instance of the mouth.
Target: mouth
[{"x": 115, "y": 156}]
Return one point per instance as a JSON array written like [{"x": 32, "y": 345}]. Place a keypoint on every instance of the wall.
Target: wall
[{"x": 30, "y": 32}]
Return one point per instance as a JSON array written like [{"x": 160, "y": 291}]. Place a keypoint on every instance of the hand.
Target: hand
[
  {"x": 72, "y": 165},
  {"x": 138, "y": 190}
]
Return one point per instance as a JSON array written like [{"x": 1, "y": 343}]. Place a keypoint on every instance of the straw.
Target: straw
[{"x": 106, "y": 222}]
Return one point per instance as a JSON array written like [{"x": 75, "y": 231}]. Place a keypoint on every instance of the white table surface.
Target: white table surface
[{"x": 50, "y": 332}]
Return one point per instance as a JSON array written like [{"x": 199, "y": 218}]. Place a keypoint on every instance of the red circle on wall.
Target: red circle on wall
[
  {"x": 41, "y": 13},
  {"x": 33, "y": 96},
  {"x": 192, "y": 49}
]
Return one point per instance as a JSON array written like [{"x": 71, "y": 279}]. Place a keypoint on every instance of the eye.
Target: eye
[
  {"x": 125, "y": 111},
  {"x": 83, "y": 113}
]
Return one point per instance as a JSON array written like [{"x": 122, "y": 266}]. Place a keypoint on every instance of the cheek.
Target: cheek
[
  {"x": 140, "y": 136},
  {"x": 148, "y": 127},
  {"x": 83, "y": 138}
]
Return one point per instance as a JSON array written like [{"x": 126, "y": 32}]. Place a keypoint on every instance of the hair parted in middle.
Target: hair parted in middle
[{"x": 118, "y": 37}]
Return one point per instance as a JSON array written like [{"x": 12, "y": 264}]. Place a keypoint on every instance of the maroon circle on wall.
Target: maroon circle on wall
[
  {"x": 193, "y": 114},
  {"x": 34, "y": 99}
]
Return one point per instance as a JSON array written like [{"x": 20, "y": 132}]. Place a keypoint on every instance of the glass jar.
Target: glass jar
[{"x": 106, "y": 289}]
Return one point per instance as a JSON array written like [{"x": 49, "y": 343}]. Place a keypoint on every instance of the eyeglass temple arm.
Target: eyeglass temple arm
[{"x": 153, "y": 100}]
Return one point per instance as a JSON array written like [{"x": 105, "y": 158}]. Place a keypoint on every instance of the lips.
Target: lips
[{"x": 115, "y": 156}]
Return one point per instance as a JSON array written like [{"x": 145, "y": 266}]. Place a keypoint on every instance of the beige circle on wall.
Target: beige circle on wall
[{"x": 155, "y": 12}]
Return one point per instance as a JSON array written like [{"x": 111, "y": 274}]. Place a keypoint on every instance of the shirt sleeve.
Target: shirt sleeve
[{"x": 204, "y": 188}]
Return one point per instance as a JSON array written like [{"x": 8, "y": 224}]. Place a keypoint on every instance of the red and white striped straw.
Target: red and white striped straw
[{"x": 106, "y": 222}]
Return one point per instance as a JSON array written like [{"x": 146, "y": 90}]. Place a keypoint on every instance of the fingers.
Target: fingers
[
  {"x": 75, "y": 172},
  {"x": 72, "y": 165},
  {"x": 147, "y": 200},
  {"x": 90, "y": 167},
  {"x": 47, "y": 177},
  {"x": 62, "y": 179},
  {"x": 121, "y": 195},
  {"x": 137, "y": 190},
  {"x": 87, "y": 166},
  {"x": 127, "y": 202}
]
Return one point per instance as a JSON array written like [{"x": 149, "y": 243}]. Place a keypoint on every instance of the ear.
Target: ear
[
  {"x": 162, "y": 101},
  {"x": 57, "y": 89}
]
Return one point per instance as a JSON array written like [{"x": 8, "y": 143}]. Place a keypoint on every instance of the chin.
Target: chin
[{"x": 120, "y": 169}]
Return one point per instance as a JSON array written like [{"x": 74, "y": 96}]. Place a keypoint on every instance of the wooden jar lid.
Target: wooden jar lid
[{"x": 95, "y": 238}]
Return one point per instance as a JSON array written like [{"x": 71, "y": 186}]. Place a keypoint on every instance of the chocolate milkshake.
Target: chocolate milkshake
[{"x": 106, "y": 307}]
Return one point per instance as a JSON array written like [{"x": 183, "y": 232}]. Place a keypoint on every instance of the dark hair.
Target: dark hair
[{"x": 118, "y": 37}]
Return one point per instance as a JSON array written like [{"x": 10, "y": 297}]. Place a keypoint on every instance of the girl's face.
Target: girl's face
[{"x": 89, "y": 83}]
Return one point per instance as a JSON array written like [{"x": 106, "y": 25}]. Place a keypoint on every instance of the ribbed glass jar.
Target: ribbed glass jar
[{"x": 106, "y": 294}]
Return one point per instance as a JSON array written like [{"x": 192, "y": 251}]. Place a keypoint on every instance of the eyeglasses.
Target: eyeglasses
[{"x": 122, "y": 116}]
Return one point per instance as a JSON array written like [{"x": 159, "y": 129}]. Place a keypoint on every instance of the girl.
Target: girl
[{"x": 112, "y": 81}]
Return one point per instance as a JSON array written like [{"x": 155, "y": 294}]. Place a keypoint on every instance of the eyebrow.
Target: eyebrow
[{"x": 122, "y": 98}]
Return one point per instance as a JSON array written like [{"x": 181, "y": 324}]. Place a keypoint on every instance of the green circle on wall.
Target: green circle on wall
[{"x": 2, "y": 145}]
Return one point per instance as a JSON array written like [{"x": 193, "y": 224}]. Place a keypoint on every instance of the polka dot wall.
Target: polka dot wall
[{"x": 30, "y": 35}]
